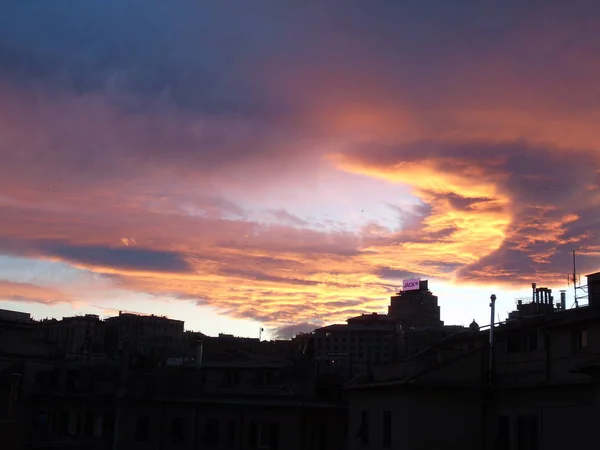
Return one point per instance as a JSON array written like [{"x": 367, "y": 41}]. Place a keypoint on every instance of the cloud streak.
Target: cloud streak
[{"x": 31, "y": 293}]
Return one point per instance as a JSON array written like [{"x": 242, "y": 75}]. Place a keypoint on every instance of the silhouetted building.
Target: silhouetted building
[
  {"x": 77, "y": 336},
  {"x": 150, "y": 336},
  {"x": 364, "y": 340},
  {"x": 544, "y": 382},
  {"x": 593, "y": 287},
  {"x": 243, "y": 403},
  {"x": 19, "y": 336},
  {"x": 416, "y": 308}
]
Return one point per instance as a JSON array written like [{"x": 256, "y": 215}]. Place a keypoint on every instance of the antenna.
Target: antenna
[
  {"x": 575, "y": 281},
  {"x": 574, "y": 278}
]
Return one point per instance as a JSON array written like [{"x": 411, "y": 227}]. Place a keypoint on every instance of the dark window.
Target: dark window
[
  {"x": 387, "y": 428},
  {"x": 503, "y": 433},
  {"x": 313, "y": 437},
  {"x": 88, "y": 424},
  {"x": 264, "y": 378},
  {"x": 323, "y": 437},
  {"x": 142, "y": 429},
  {"x": 579, "y": 340},
  {"x": 513, "y": 343},
  {"x": 253, "y": 435},
  {"x": 532, "y": 340},
  {"x": 108, "y": 422},
  {"x": 231, "y": 433},
  {"x": 63, "y": 422},
  {"x": 40, "y": 377},
  {"x": 363, "y": 431},
  {"x": 527, "y": 433},
  {"x": 177, "y": 432},
  {"x": 264, "y": 436},
  {"x": 211, "y": 432},
  {"x": 274, "y": 437},
  {"x": 231, "y": 378}
]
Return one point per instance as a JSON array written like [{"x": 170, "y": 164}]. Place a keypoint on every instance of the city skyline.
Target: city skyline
[{"x": 277, "y": 165}]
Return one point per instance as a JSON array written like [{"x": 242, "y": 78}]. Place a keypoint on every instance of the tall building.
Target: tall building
[{"x": 416, "y": 308}]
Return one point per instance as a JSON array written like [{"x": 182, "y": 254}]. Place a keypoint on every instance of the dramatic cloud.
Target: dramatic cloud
[{"x": 291, "y": 163}]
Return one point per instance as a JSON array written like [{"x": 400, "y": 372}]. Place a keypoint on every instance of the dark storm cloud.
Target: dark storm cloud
[
  {"x": 212, "y": 56},
  {"x": 125, "y": 258},
  {"x": 289, "y": 331},
  {"x": 195, "y": 54},
  {"x": 387, "y": 273}
]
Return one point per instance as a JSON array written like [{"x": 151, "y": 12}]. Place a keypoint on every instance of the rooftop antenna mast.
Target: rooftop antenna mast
[{"x": 574, "y": 278}]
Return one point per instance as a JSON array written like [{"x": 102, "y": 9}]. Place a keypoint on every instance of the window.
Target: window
[
  {"x": 177, "y": 432},
  {"x": 88, "y": 424},
  {"x": 211, "y": 432},
  {"x": 513, "y": 343},
  {"x": 387, "y": 428},
  {"x": 142, "y": 429},
  {"x": 274, "y": 436},
  {"x": 98, "y": 425},
  {"x": 579, "y": 340},
  {"x": 231, "y": 433},
  {"x": 264, "y": 436},
  {"x": 323, "y": 437},
  {"x": 264, "y": 378},
  {"x": 503, "y": 433},
  {"x": 363, "y": 431},
  {"x": 252, "y": 435},
  {"x": 532, "y": 340},
  {"x": 527, "y": 433},
  {"x": 231, "y": 378},
  {"x": 73, "y": 424},
  {"x": 63, "y": 420},
  {"x": 40, "y": 377}
]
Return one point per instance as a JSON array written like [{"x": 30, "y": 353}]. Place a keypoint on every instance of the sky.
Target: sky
[{"x": 285, "y": 165}]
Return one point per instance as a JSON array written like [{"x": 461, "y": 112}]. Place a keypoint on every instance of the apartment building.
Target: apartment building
[
  {"x": 151, "y": 336},
  {"x": 351, "y": 348}
]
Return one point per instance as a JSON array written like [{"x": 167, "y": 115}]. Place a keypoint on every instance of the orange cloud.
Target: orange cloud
[{"x": 27, "y": 292}]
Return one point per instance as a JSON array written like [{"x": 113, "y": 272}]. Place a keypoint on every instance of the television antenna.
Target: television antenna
[{"x": 575, "y": 280}]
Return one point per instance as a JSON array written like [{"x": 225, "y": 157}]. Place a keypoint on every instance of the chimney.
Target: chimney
[{"x": 563, "y": 300}]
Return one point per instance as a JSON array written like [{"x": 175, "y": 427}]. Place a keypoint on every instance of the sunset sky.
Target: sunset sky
[{"x": 283, "y": 164}]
